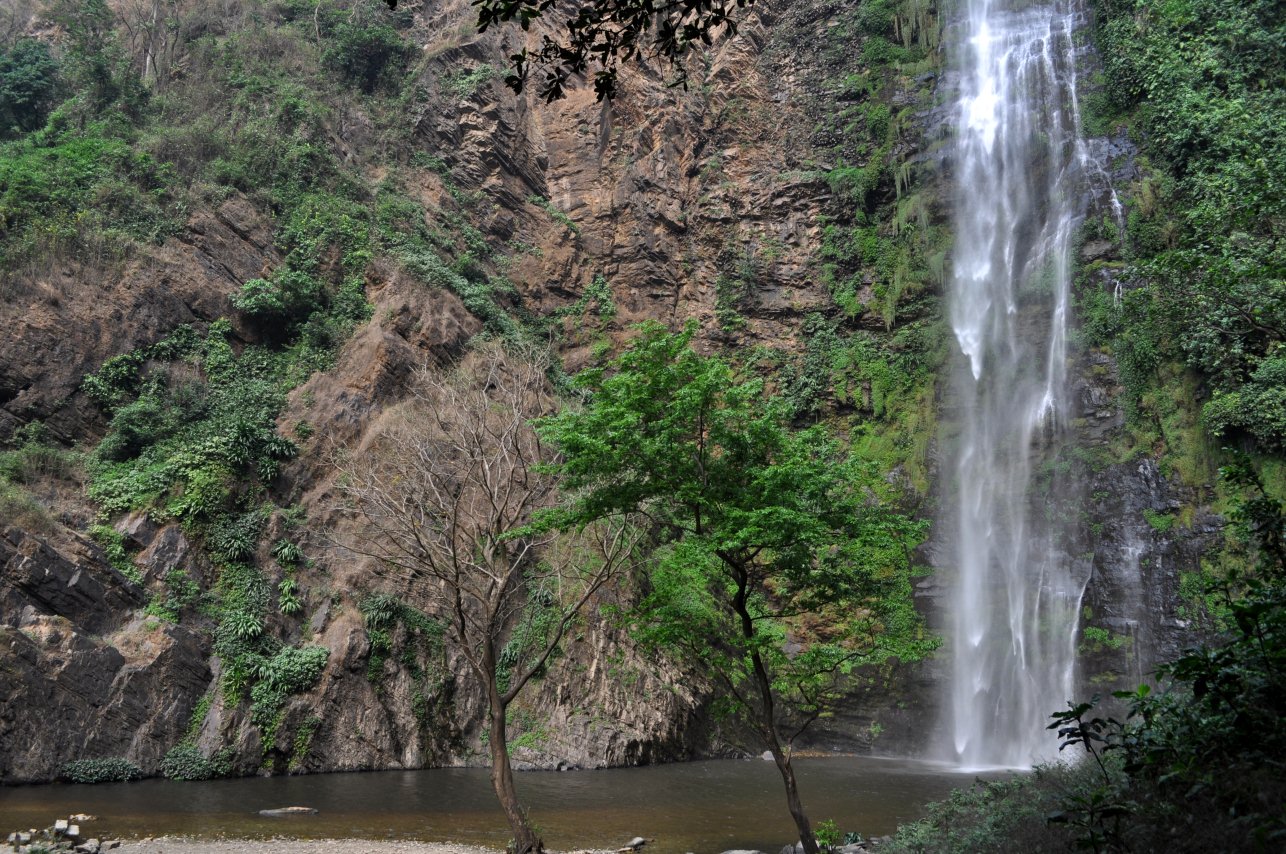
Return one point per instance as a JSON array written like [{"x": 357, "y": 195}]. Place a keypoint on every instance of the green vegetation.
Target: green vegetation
[
  {"x": 185, "y": 762},
  {"x": 420, "y": 642},
  {"x": 28, "y": 83},
  {"x": 108, "y": 770},
  {"x": 292, "y": 670},
  {"x": 1159, "y": 522},
  {"x": 29, "y": 461},
  {"x": 406, "y": 236},
  {"x": 599, "y": 293},
  {"x": 303, "y": 741},
  {"x": 364, "y": 46},
  {"x": 464, "y": 83},
  {"x": 1200, "y": 83},
  {"x": 992, "y": 817},
  {"x": 84, "y": 192},
  {"x": 558, "y": 216},
  {"x": 761, "y": 532},
  {"x": 191, "y": 440},
  {"x": 871, "y": 359},
  {"x": 103, "y": 150}
]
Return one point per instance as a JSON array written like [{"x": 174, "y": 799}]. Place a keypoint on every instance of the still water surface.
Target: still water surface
[{"x": 695, "y": 806}]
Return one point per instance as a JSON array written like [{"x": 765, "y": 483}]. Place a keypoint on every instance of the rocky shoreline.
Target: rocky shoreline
[{"x": 66, "y": 836}]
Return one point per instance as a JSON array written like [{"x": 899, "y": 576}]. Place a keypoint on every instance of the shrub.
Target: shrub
[
  {"x": 185, "y": 762},
  {"x": 827, "y": 833},
  {"x": 287, "y": 553},
  {"x": 19, "y": 507},
  {"x": 370, "y": 55},
  {"x": 107, "y": 770},
  {"x": 287, "y": 602},
  {"x": 291, "y": 296},
  {"x": 292, "y": 670}
]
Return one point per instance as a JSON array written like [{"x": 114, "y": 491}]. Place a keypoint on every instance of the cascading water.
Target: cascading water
[{"x": 1019, "y": 164}]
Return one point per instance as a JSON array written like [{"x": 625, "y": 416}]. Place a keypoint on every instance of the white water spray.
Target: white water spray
[{"x": 1019, "y": 165}]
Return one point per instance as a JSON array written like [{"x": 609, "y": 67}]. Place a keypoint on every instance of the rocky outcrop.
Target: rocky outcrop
[
  {"x": 64, "y": 321},
  {"x": 82, "y": 675}
]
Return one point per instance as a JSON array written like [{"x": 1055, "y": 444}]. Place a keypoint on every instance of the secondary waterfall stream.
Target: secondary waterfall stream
[{"x": 1018, "y": 163}]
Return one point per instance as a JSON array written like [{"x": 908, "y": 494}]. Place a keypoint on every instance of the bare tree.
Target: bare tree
[{"x": 450, "y": 493}]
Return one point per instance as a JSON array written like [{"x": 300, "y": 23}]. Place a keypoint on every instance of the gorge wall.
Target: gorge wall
[{"x": 790, "y": 199}]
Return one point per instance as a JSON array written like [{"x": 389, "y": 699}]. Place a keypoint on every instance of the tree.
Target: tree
[
  {"x": 28, "y": 81},
  {"x": 777, "y": 566},
  {"x": 606, "y": 33},
  {"x": 449, "y": 496}
]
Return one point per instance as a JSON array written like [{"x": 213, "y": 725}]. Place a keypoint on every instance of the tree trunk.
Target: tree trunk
[
  {"x": 525, "y": 840},
  {"x": 768, "y": 716},
  {"x": 796, "y": 807}
]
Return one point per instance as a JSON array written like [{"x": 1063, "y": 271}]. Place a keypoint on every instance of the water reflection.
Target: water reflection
[{"x": 695, "y": 806}]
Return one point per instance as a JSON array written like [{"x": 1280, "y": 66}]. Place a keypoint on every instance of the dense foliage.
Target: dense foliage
[
  {"x": 28, "y": 82},
  {"x": 1202, "y": 85},
  {"x": 107, "y": 770}
]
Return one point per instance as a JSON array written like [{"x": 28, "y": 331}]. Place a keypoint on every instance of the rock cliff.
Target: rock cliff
[{"x": 773, "y": 201}]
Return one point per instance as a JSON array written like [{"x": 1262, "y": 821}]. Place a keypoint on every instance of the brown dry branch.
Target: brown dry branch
[{"x": 449, "y": 496}]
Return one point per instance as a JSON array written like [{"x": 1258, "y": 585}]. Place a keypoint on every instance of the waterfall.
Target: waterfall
[{"x": 1019, "y": 163}]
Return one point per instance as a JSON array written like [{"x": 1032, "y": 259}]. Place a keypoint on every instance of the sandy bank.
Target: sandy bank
[{"x": 177, "y": 845}]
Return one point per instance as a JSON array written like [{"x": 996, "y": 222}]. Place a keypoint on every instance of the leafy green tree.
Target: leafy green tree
[
  {"x": 777, "y": 565},
  {"x": 28, "y": 81},
  {"x": 364, "y": 46}
]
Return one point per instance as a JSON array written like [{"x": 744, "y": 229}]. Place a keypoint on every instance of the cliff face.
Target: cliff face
[
  {"x": 649, "y": 205},
  {"x": 775, "y": 201}
]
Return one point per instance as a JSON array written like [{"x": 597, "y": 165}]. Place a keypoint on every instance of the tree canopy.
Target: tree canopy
[
  {"x": 606, "y": 33},
  {"x": 777, "y": 564}
]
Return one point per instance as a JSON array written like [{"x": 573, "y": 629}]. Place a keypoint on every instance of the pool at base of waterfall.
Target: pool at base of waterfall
[{"x": 706, "y": 806}]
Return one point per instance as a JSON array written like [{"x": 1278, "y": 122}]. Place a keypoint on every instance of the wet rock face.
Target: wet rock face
[{"x": 1143, "y": 531}]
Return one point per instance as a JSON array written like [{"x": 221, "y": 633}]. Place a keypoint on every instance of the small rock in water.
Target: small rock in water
[
  {"x": 73, "y": 831},
  {"x": 767, "y": 756},
  {"x": 60, "y": 826},
  {"x": 83, "y": 817},
  {"x": 281, "y": 811}
]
